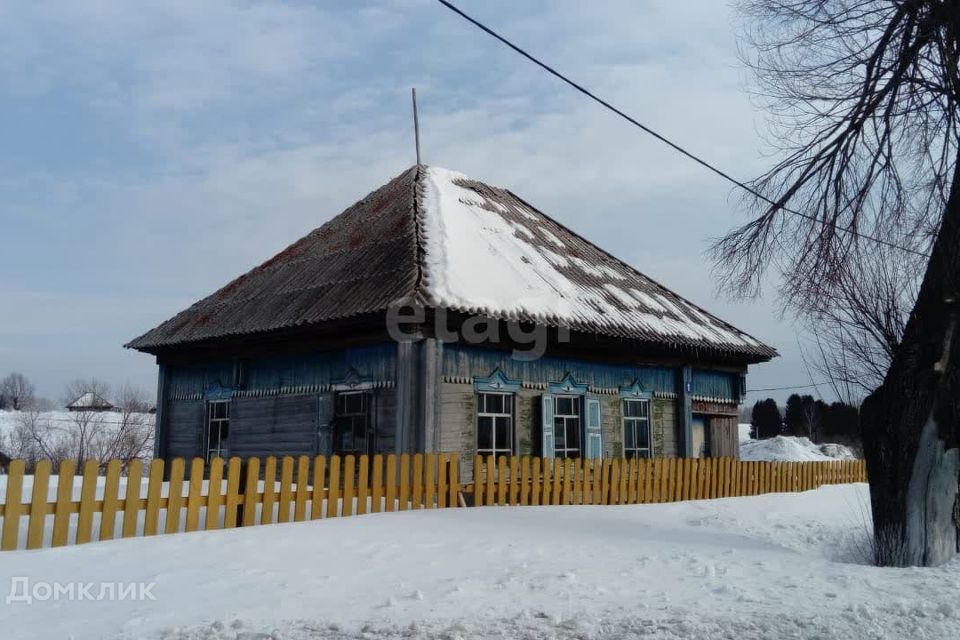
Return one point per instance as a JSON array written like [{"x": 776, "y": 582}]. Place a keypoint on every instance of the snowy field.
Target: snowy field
[
  {"x": 772, "y": 566},
  {"x": 63, "y": 420}
]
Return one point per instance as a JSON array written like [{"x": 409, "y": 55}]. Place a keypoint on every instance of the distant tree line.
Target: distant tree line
[{"x": 806, "y": 417}]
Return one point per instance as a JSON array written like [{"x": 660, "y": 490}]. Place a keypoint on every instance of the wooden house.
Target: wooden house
[
  {"x": 408, "y": 322},
  {"x": 90, "y": 402}
]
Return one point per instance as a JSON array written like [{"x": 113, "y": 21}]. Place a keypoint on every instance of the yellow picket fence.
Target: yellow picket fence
[{"x": 223, "y": 495}]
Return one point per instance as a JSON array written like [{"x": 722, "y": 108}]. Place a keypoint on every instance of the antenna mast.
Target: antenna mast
[{"x": 416, "y": 123}]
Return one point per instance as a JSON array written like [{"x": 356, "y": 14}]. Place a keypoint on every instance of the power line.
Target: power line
[
  {"x": 796, "y": 386},
  {"x": 665, "y": 140}
]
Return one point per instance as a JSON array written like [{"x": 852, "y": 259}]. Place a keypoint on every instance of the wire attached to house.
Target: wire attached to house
[
  {"x": 676, "y": 147},
  {"x": 796, "y": 386}
]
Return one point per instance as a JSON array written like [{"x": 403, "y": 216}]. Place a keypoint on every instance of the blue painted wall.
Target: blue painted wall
[
  {"x": 716, "y": 384},
  {"x": 466, "y": 362},
  {"x": 377, "y": 362}
]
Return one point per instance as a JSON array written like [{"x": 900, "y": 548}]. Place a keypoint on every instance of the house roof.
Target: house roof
[
  {"x": 439, "y": 238},
  {"x": 90, "y": 400}
]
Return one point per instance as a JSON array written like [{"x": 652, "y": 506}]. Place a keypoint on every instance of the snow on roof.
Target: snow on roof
[
  {"x": 437, "y": 237},
  {"x": 477, "y": 259}
]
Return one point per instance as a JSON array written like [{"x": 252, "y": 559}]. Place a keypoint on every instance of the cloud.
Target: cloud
[{"x": 226, "y": 130}]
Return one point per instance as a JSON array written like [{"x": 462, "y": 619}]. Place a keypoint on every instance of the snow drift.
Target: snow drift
[{"x": 793, "y": 449}]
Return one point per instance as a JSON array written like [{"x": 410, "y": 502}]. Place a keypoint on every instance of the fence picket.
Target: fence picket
[
  {"x": 614, "y": 481},
  {"x": 363, "y": 489},
  {"x": 349, "y": 469},
  {"x": 545, "y": 489},
  {"x": 390, "y": 497},
  {"x": 478, "y": 481},
  {"x": 376, "y": 493},
  {"x": 514, "y": 480},
  {"x": 38, "y": 503},
  {"x": 250, "y": 494},
  {"x": 286, "y": 489},
  {"x": 624, "y": 475},
  {"x": 652, "y": 482},
  {"x": 319, "y": 479},
  {"x": 557, "y": 480},
  {"x": 429, "y": 479},
  {"x": 577, "y": 481},
  {"x": 303, "y": 489},
  {"x": 442, "y": 480},
  {"x": 14, "y": 506},
  {"x": 232, "y": 499},
  {"x": 501, "y": 481},
  {"x": 131, "y": 504},
  {"x": 377, "y": 490},
  {"x": 581, "y": 490},
  {"x": 535, "y": 482},
  {"x": 417, "y": 481},
  {"x": 154, "y": 492},
  {"x": 214, "y": 494},
  {"x": 454, "y": 480},
  {"x": 333, "y": 489},
  {"x": 269, "y": 499},
  {"x": 525, "y": 480},
  {"x": 61, "y": 516},
  {"x": 404, "y": 482},
  {"x": 490, "y": 490},
  {"x": 194, "y": 496}
]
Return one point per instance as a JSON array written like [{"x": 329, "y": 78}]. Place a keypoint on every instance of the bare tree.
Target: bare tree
[
  {"x": 856, "y": 327},
  {"x": 125, "y": 434},
  {"x": 864, "y": 99},
  {"x": 18, "y": 389},
  {"x": 130, "y": 435}
]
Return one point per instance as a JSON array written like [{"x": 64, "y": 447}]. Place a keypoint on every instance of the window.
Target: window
[
  {"x": 218, "y": 429},
  {"x": 352, "y": 433},
  {"x": 636, "y": 429},
  {"x": 566, "y": 426},
  {"x": 495, "y": 424}
]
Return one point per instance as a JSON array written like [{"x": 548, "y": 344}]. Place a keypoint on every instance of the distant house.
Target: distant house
[
  {"x": 302, "y": 354},
  {"x": 90, "y": 401}
]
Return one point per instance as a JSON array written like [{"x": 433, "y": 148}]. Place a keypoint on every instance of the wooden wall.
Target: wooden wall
[{"x": 273, "y": 426}]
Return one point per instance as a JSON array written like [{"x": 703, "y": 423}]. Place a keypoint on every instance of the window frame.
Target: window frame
[
  {"x": 575, "y": 416},
  {"x": 222, "y": 449},
  {"x": 635, "y": 421},
  {"x": 365, "y": 414},
  {"x": 509, "y": 414}
]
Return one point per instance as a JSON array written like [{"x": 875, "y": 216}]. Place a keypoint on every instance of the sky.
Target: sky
[{"x": 153, "y": 151}]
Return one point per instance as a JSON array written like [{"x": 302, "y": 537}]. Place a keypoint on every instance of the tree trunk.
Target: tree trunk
[{"x": 911, "y": 423}]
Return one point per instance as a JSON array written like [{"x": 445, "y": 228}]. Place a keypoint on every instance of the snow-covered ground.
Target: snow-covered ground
[
  {"x": 63, "y": 419},
  {"x": 772, "y": 566},
  {"x": 793, "y": 449}
]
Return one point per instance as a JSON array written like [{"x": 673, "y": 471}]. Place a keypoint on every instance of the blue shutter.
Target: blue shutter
[
  {"x": 547, "y": 447},
  {"x": 594, "y": 429},
  {"x": 325, "y": 424}
]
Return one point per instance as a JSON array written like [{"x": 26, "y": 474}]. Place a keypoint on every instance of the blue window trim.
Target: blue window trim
[
  {"x": 497, "y": 382},
  {"x": 568, "y": 387},
  {"x": 635, "y": 391},
  {"x": 217, "y": 392},
  {"x": 352, "y": 381}
]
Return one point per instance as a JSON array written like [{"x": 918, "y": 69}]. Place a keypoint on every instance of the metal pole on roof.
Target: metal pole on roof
[{"x": 416, "y": 123}]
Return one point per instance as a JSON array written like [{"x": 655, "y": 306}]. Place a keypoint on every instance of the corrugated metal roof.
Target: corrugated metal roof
[
  {"x": 373, "y": 253},
  {"x": 356, "y": 263}
]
